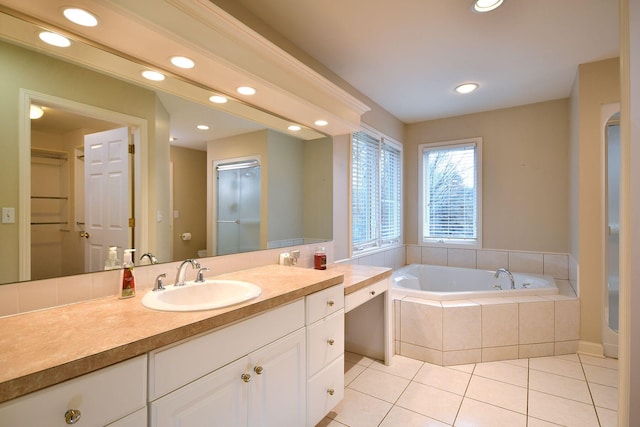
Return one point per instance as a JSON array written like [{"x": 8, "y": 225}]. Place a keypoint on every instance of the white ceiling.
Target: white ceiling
[{"x": 408, "y": 55}]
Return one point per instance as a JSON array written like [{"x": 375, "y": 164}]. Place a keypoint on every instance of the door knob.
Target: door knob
[{"x": 84, "y": 234}]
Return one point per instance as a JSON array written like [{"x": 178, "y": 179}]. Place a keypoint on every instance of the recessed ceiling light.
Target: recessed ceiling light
[
  {"x": 54, "y": 39},
  {"x": 294, "y": 128},
  {"x": 466, "y": 87},
  {"x": 218, "y": 99},
  {"x": 80, "y": 17},
  {"x": 35, "y": 112},
  {"x": 203, "y": 127},
  {"x": 486, "y": 5},
  {"x": 153, "y": 75},
  {"x": 246, "y": 90},
  {"x": 321, "y": 122},
  {"x": 183, "y": 62}
]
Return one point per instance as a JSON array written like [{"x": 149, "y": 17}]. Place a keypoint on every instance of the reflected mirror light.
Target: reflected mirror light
[
  {"x": 54, "y": 39},
  {"x": 35, "y": 112}
]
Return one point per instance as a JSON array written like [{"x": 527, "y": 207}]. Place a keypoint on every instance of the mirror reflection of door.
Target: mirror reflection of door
[
  {"x": 57, "y": 192},
  {"x": 106, "y": 202},
  {"x": 238, "y": 207}
]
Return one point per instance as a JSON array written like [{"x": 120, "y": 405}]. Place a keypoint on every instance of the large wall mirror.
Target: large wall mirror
[{"x": 115, "y": 160}]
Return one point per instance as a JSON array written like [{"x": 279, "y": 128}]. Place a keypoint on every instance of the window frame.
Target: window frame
[
  {"x": 377, "y": 243},
  {"x": 451, "y": 243}
]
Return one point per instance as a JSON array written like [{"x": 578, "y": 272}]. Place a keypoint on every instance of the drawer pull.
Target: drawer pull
[
  {"x": 72, "y": 416},
  {"x": 330, "y": 303},
  {"x": 330, "y": 341},
  {"x": 331, "y": 391},
  {"x": 258, "y": 369},
  {"x": 245, "y": 377},
  {"x": 372, "y": 292}
]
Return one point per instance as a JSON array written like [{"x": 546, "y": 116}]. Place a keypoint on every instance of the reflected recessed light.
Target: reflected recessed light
[
  {"x": 35, "y": 112},
  {"x": 294, "y": 128},
  {"x": 153, "y": 75},
  {"x": 218, "y": 99},
  {"x": 54, "y": 39},
  {"x": 246, "y": 90},
  {"x": 486, "y": 5},
  {"x": 466, "y": 87},
  {"x": 80, "y": 17},
  {"x": 183, "y": 62},
  {"x": 321, "y": 122},
  {"x": 203, "y": 127}
]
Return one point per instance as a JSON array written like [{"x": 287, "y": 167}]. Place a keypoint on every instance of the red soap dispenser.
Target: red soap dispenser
[{"x": 127, "y": 280}]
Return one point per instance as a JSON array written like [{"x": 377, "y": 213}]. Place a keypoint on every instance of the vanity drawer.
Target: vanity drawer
[
  {"x": 324, "y": 391},
  {"x": 365, "y": 294},
  {"x": 325, "y": 302},
  {"x": 325, "y": 341},
  {"x": 101, "y": 397}
]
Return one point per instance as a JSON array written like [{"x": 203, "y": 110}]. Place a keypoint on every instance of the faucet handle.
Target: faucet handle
[
  {"x": 158, "y": 283},
  {"x": 200, "y": 275}
]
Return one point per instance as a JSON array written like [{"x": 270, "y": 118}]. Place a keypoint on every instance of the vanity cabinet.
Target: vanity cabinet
[
  {"x": 114, "y": 396},
  {"x": 255, "y": 374},
  {"x": 325, "y": 352}
]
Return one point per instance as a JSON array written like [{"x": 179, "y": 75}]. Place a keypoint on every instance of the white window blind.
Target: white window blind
[
  {"x": 391, "y": 189},
  {"x": 376, "y": 190},
  {"x": 365, "y": 189},
  {"x": 450, "y": 192}
]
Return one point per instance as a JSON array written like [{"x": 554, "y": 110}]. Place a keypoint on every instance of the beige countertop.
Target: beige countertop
[{"x": 43, "y": 348}]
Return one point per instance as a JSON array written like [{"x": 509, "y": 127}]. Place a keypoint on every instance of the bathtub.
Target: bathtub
[{"x": 440, "y": 283}]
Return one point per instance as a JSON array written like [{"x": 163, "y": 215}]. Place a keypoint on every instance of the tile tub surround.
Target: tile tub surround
[{"x": 487, "y": 329}]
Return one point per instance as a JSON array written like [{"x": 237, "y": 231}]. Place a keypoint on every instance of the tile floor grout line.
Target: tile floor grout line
[
  {"x": 593, "y": 402},
  {"x": 528, "y": 388},
  {"x": 464, "y": 395}
]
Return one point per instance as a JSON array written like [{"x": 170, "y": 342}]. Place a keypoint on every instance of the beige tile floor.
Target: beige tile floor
[{"x": 570, "y": 390}]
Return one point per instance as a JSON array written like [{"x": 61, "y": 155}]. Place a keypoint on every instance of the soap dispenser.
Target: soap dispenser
[
  {"x": 127, "y": 280},
  {"x": 112, "y": 262}
]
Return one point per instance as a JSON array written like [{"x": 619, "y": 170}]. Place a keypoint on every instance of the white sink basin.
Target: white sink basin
[{"x": 201, "y": 296}]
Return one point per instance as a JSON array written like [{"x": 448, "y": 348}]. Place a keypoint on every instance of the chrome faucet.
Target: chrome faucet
[
  {"x": 152, "y": 259},
  {"x": 508, "y": 273},
  {"x": 182, "y": 271}
]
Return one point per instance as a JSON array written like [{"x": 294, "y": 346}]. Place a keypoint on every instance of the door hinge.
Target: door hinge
[
  {"x": 132, "y": 149},
  {"x": 132, "y": 222}
]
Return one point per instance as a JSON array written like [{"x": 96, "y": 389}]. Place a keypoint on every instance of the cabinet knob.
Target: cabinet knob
[
  {"x": 330, "y": 303},
  {"x": 245, "y": 377},
  {"x": 330, "y": 341},
  {"x": 372, "y": 292},
  {"x": 331, "y": 391},
  {"x": 258, "y": 369},
  {"x": 72, "y": 416}
]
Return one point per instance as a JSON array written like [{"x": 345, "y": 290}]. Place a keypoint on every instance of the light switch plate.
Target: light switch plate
[{"x": 8, "y": 215}]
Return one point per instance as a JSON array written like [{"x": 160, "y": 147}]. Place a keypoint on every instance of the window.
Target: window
[
  {"x": 450, "y": 189},
  {"x": 376, "y": 189}
]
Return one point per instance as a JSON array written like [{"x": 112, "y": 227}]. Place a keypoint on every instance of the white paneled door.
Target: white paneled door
[{"x": 107, "y": 199}]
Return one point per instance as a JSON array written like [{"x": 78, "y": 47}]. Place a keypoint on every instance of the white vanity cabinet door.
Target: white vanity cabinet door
[
  {"x": 218, "y": 399},
  {"x": 101, "y": 397},
  {"x": 325, "y": 341},
  {"x": 278, "y": 383},
  {"x": 363, "y": 295}
]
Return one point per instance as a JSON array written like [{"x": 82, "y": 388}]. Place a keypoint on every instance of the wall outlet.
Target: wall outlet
[{"x": 8, "y": 215}]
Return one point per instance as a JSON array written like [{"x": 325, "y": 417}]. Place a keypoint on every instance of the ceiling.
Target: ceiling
[{"x": 408, "y": 55}]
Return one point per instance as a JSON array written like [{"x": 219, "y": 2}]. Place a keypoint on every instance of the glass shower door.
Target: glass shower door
[{"x": 238, "y": 207}]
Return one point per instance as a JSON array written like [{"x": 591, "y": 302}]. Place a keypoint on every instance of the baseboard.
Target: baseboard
[{"x": 591, "y": 349}]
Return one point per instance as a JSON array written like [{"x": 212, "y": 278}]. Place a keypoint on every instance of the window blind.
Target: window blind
[
  {"x": 365, "y": 189},
  {"x": 391, "y": 210},
  {"x": 450, "y": 192}
]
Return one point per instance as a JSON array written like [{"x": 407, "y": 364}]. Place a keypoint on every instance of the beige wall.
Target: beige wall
[
  {"x": 189, "y": 200},
  {"x": 525, "y": 173},
  {"x": 43, "y": 74},
  {"x": 597, "y": 83},
  {"x": 318, "y": 187}
]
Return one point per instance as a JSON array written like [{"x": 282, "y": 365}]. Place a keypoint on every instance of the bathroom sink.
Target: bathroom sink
[{"x": 201, "y": 296}]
